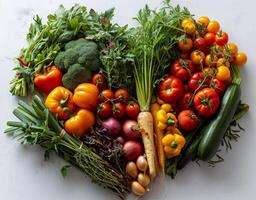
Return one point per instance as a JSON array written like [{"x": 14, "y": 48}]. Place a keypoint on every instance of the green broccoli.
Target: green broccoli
[{"x": 80, "y": 58}]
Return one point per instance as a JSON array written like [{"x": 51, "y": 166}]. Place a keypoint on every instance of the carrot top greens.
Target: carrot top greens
[{"x": 152, "y": 44}]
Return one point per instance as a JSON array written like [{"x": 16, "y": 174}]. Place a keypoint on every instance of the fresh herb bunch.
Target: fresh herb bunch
[
  {"x": 44, "y": 43},
  {"x": 112, "y": 39},
  {"x": 152, "y": 44},
  {"x": 38, "y": 126}
]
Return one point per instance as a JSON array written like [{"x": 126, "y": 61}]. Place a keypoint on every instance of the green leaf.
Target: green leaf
[{"x": 64, "y": 170}]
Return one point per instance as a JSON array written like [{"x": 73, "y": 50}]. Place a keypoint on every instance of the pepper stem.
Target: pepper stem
[
  {"x": 170, "y": 122},
  {"x": 63, "y": 102},
  {"x": 173, "y": 144}
]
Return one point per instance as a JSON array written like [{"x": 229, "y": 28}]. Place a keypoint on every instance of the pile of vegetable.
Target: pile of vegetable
[{"x": 126, "y": 104}]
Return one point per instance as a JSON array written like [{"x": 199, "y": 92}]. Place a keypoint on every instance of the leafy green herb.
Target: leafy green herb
[
  {"x": 152, "y": 44},
  {"x": 64, "y": 170},
  {"x": 38, "y": 126}
]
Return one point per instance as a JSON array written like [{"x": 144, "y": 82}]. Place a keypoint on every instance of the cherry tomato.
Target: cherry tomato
[
  {"x": 185, "y": 21},
  {"x": 185, "y": 44},
  {"x": 211, "y": 60},
  {"x": 222, "y": 61},
  {"x": 240, "y": 58},
  {"x": 105, "y": 95},
  {"x": 232, "y": 49},
  {"x": 182, "y": 69},
  {"x": 203, "y": 20},
  {"x": 198, "y": 80},
  {"x": 132, "y": 109},
  {"x": 219, "y": 86},
  {"x": 213, "y": 27},
  {"x": 104, "y": 110},
  {"x": 223, "y": 73},
  {"x": 188, "y": 120},
  {"x": 122, "y": 95},
  {"x": 209, "y": 71},
  {"x": 184, "y": 55},
  {"x": 190, "y": 28},
  {"x": 221, "y": 38},
  {"x": 118, "y": 110},
  {"x": 206, "y": 102},
  {"x": 186, "y": 101},
  {"x": 99, "y": 80},
  {"x": 197, "y": 57},
  {"x": 200, "y": 43},
  {"x": 170, "y": 89},
  {"x": 209, "y": 38}
]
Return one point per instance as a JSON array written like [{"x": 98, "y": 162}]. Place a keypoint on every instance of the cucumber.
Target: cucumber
[{"x": 213, "y": 133}]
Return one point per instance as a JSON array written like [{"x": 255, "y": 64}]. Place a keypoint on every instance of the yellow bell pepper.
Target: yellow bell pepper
[
  {"x": 173, "y": 143},
  {"x": 165, "y": 117}
]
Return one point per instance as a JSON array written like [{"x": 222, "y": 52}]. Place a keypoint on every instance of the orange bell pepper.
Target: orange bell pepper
[
  {"x": 60, "y": 102},
  {"x": 79, "y": 124},
  {"x": 50, "y": 79},
  {"x": 85, "y": 95}
]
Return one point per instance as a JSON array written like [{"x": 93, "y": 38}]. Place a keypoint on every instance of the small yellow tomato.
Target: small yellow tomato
[
  {"x": 185, "y": 44},
  {"x": 223, "y": 61},
  {"x": 203, "y": 20},
  {"x": 232, "y": 48},
  {"x": 185, "y": 21},
  {"x": 190, "y": 28},
  {"x": 223, "y": 73},
  {"x": 210, "y": 60},
  {"x": 213, "y": 27},
  {"x": 240, "y": 58},
  {"x": 197, "y": 57}
]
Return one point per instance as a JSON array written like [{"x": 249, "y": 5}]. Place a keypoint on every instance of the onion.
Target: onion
[
  {"x": 121, "y": 140},
  {"x": 131, "y": 169},
  {"x": 113, "y": 127},
  {"x": 130, "y": 130},
  {"x": 132, "y": 150},
  {"x": 138, "y": 189},
  {"x": 143, "y": 179},
  {"x": 142, "y": 163}
]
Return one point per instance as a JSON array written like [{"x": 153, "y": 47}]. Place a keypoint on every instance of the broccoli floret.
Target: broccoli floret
[
  {"x": 84, "y": 55},
  {"x": 75, "y": 75}
]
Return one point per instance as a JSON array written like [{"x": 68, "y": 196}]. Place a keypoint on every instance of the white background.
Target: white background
[{"x": 25, "y": 176}]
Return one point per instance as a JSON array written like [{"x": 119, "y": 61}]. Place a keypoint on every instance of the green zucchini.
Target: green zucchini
[{"x": 213, "y": 133}]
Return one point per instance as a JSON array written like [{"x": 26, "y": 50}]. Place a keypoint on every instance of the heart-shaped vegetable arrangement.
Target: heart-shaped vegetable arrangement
[{"x": 125, "y": 104}]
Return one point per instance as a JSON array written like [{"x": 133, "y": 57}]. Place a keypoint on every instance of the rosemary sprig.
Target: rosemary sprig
[{"x": 38, "y": 126}]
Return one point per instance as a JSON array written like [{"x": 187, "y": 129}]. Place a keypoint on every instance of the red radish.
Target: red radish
[
  {"x": 121, "y": 140},
  {"x": 130, "y": 130},
  {"x": 113, "y": 127},
  {"x": 132, "y": 150}
]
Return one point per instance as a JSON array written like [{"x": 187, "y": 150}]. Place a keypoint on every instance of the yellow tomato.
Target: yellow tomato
[
  {"x": 210, "y": 71},
  {"x": 203, "y": 20},
  {"x": 210, "y": 60},
  {"x": 240, "y": 58},
  {"x": 223, "y": 73},
  {"x": 197, "y": 57},
  {"x": 223, "y": 61},
  {"x": 190, "y": 27},
  {"x": 232, "y": 48},
  {"x": 185, "y": 44},
  {"x": 185, "y": 21},
  {"x": 213, "y": 27}
]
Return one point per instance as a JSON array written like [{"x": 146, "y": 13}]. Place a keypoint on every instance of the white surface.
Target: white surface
[{"x": 25, "y": 176}]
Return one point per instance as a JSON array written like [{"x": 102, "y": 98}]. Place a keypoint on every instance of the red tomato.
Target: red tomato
[
  {"x": 104, "y": 110},
  {"x": 170, "y": 89},
  {"x": 99, "y": 80},
  {"x": 105, "y": 95},
  {"x": 132, "y": 109},
  {"x": 182, "y": 69},
  {"x": 118, "y": 110},
  {"x": 122, "y": 95},
  {"x": 200, "y": 43},
  {"x": 198, "y": 80},
  {"x": 186, "y": 102},
  {"x": 221, "y": 38},
  {"x": 206, "y": 102},
  {"x": 219, "y": 86},
  {"x": 187, "y": 120},
  {"x": 209, "y": 38},
  {"x": 184, "y": 55}
]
